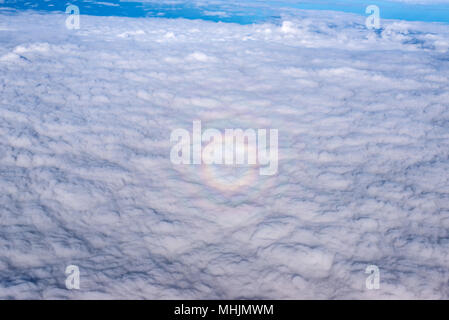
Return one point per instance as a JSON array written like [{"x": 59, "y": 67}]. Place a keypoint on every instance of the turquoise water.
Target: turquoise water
[{"x": 245, "y": 13}]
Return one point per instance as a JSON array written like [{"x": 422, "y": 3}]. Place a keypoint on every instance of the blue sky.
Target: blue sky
[{"x": 242, "y": 12}]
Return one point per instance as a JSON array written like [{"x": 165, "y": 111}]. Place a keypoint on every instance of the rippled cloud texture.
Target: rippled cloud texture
[{"x": 86, "y": 176}]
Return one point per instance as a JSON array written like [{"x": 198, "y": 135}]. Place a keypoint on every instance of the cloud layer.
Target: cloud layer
[{"x": 86, "y": 179}]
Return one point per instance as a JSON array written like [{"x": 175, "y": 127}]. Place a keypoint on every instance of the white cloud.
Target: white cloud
[{"x": 86, "y": 179}]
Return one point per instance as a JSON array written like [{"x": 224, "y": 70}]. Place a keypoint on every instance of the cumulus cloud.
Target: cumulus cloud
[{"x": 86, "y": 178}]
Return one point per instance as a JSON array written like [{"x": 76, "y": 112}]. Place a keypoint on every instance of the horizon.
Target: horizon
[{"x": 248, "y": 12}]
